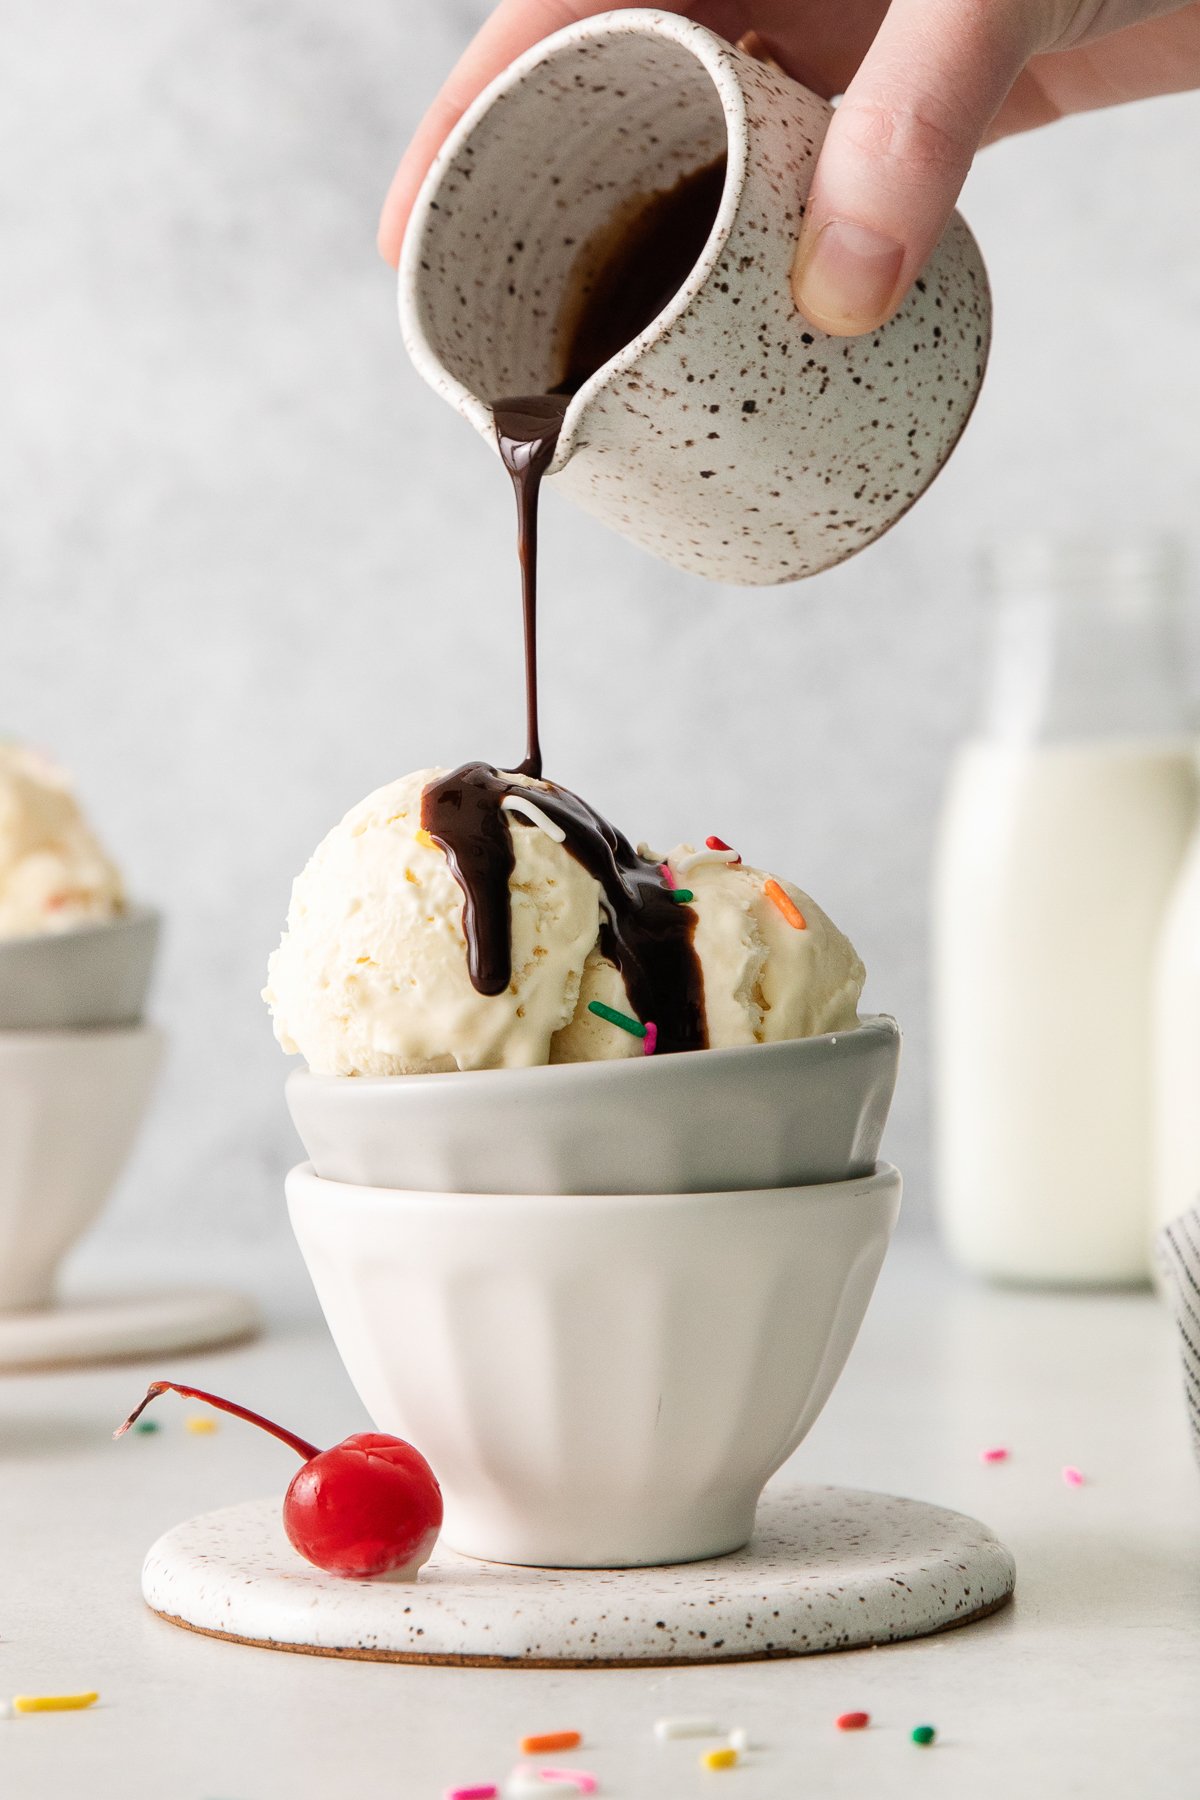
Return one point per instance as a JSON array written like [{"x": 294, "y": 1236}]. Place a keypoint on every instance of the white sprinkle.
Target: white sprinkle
[
  {"x": 685, "y": 1728},
  {"x": 683, "y": 865},
  {"x": 528, "y": 1783},
  {"x": 519, "y": 804},
  {"x": 739, "y": 1739}
]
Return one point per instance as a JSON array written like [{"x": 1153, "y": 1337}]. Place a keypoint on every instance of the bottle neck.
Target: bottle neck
[{"x": 1087, "y": 642}]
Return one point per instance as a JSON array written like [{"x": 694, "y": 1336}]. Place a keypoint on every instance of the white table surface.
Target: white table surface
[{"x": 1087, "y": 1685}]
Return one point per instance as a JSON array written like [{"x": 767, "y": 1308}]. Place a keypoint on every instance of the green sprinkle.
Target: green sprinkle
[
  {"x": 146, "y": 1425},
  {"x": 616, "y": 1018},
  {"x": 683, "y": 895},
  {"x": 923, "y": 1734}
]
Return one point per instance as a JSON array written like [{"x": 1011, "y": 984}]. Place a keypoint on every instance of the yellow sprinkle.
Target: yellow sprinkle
[
  {"x": 718, "y": 1759},
  {"x": 23, "y": 1703},
  {"x": 409, "y": 876},
  {"x": 423, "y": 837},
  {"x": 200, "y": 1423}
]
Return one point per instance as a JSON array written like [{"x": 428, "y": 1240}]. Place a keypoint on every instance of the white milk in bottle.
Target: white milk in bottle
[
  {"x": 1176, "y": 1057},
  {"x": 1062, "y": 831}
]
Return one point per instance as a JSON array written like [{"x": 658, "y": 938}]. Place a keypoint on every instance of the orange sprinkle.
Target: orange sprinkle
[
  {"x": 551, "y": 1740},
  {"x": 423, "y": 837},
  {"x": 787, "y": 906}
]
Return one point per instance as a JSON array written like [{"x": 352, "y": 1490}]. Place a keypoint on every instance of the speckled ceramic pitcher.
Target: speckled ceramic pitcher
[{"x": 729, "y": 437}]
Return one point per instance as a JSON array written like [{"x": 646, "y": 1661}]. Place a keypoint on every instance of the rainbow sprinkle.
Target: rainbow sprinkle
[
  {"x": 719, "y": 1759},
  {"x": 683, "y": 895},
  {"x": 1072, "y": 1476},
  {"x": 923, "y": 1734},
  {"x": 582, "y": 1780},
  {"x": 200, "y": 1424},
  {"x": 633, "y": 1026},
  {"x": 34, "y": 1703},
  {"x": 489, "y": 1791},
  {"x": 550, "y": 1740},
  {"x": 517, "y": 803},
  {"x": 716, "y": 843},
  {"x": 651, "y": 1043},
  {"x": 996, "y": 1455},
  {"x": 424, "y": 838},
  {"x": 785, "y": 904},
  {"x": 664, "y": 870}
]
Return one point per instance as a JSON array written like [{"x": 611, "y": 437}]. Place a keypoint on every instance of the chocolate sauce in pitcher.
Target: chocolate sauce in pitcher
[{"x": 625, "y": 278}]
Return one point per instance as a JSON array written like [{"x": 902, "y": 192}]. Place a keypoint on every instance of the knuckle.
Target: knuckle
[{"x": 905, "y": 134}]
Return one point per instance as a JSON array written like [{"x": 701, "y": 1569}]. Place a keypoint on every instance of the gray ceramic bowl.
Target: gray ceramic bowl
[
  {"x": 95, "y": 975},
  {"x": 764, "y": 1116}
]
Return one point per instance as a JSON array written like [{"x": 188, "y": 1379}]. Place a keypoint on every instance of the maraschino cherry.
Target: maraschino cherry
[{"x": 369, "y": 1506}]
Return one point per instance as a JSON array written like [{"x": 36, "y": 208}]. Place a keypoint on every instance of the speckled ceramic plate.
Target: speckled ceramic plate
[{"x": 827, "y": 1569}]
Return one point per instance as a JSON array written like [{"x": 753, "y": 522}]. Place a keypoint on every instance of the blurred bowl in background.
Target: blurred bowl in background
[
  {"x": 71, "y": 1103},
  {"x": 93, "y": 975}
]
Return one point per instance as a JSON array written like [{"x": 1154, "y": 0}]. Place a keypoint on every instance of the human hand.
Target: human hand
[{"x": 924, "y": 84}]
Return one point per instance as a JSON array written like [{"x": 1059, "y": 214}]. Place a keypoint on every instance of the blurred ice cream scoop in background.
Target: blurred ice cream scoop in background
[{"x": 54, "y": 873}]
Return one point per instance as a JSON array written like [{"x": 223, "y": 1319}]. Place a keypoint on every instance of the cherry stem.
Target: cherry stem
[{"x": 303, "y": 1450}]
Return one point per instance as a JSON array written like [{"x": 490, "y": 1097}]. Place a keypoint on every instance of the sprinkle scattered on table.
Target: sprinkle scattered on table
[
  {"x": 200, "y": 1423},
  {"x": 1072, "y": 1476},
  {"x": 852, "y": 1721},
  {"x": 147, "y": 1427},
  {"x": 739, "y": 1739},
  {"x": 489, "y": 1791},
  {"x": 725, "y": 1758},
  {"x": 685, "y": 1728},
  {"x": 35, "y": 1703},
  {"x": 540, "y": 1743},
  {"x": 923, "y": 1734},
  {"x": 997, "y": 1453}
]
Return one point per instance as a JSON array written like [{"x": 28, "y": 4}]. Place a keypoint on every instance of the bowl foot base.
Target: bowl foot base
[
  {"x": 100, "y": 1328},
  {"x": 827, "y": 1569}
]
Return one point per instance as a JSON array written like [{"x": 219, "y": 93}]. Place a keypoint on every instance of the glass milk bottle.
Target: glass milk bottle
[
  {"x": 1062, "y": 830},
  {"x": 1176, "y": 1048}
]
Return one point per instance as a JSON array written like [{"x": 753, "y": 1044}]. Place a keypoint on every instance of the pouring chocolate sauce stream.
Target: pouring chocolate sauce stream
[{"x": 636, "y": 267}]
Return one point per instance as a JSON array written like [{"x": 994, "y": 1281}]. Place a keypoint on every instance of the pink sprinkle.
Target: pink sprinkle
[
  {"x": 488, "y": 1792},
  {"x": 998, "y": 1454},
  {"x": 1072, "y": 1476},
  {"x": 664, "y": 870},
  {"x": 580, "y": 1780},
  {"x": 650, "y": 1041}
]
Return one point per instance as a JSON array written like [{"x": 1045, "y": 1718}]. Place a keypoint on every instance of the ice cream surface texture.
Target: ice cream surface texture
[
  {"x": 54, "y": 875},
  {"x": 372, "y": 976}
]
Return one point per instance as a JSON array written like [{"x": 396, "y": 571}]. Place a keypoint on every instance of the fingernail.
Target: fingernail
[{"x": 846, "y": 281}]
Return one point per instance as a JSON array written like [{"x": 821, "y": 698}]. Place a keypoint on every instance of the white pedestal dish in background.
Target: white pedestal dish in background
[{"x": 77, "y": 1072}]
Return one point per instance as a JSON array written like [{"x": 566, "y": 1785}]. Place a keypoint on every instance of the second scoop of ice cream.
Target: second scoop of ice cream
[{"x": 372, "y": 977}]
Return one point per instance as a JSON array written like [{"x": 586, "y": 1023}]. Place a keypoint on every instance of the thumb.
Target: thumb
[{"x": 897, "y": 153}]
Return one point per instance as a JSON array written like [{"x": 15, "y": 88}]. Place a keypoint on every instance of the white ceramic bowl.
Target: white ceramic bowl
[
  {"x": 70, "y": 1106},
  {"x": 598, "y": 1382},
  {"x": 96, "y": 974},
  {"x": 766, "y": 1115}
]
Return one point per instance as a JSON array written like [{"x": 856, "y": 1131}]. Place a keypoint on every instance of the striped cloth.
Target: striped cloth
[{"x": 1179, "y": 1255}]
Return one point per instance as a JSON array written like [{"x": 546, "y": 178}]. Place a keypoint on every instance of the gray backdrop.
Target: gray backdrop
[{"x": 247, "y": 558}]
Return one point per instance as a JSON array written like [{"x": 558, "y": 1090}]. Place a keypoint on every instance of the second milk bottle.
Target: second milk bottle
[{"x": 1062, "y": 829}]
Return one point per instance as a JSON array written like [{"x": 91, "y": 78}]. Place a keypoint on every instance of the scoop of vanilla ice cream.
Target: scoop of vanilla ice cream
[
  {"x": 371, "y": 976},
  {"x": 54, "y": 875},
  {"x": 764, "y": 978}
]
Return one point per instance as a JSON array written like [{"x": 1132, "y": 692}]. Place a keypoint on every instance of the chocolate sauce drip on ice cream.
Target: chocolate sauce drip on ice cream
[
  {"x": 625, "y": 276},
  {"x": 527, "y": 431},
  {"x": 644, "y": 932}
]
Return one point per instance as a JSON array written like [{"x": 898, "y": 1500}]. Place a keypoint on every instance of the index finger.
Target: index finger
[{"x": 514, "y": 27}]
